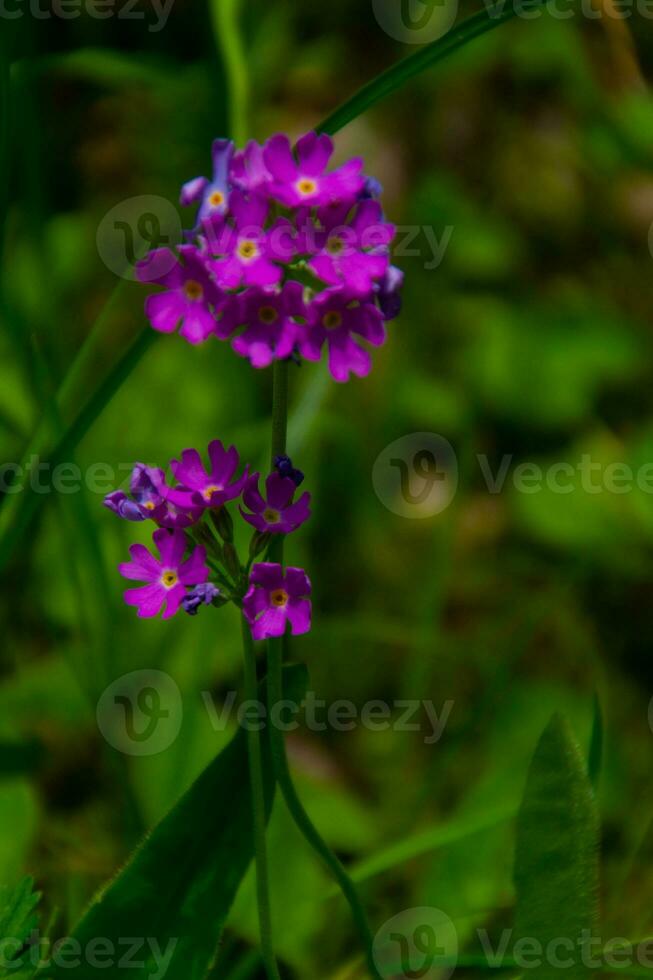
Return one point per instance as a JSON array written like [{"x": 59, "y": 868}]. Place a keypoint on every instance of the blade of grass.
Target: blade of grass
[
  {"x": 224, "y": 17},
  {"x": 426, "y": 841},
  {"x": 395, "y": 77},
  {"x": 17, "y": 512}
]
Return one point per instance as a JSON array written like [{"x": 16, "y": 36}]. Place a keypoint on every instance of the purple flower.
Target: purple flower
[
  {"x": 335, "y": 316},
  {"x": 211, "y": 488},
  {"x": 276, "y": 514},
  {"x": 189, "y": 297},
  {"x": 303, "y": 181},
  {"x": 389, "y": 293},
  {"x": 203, "y": 594},
  {"x": 283, "y": 465},
  {"x": 248, "y": 170},
  {"x": 248, "y": 251},
  {"x": 274, "y": 599},
  {"x": 166, "y": 577},
  {"x": 213, "y": 194},
  {"x": 150, "y": 499},
  {"x": 354, "y": 254},
  {"x": 271, "y": 331}
]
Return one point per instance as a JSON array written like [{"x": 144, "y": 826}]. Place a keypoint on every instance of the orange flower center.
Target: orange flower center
[
  {"x": 169, "y": 579},
  {"x": 306, "y": 186},
  {"x": 216, "y": 199},
  {"x": 279, "y": 598}
]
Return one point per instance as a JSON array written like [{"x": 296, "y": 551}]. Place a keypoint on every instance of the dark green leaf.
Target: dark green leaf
[
  {"x": 176, "y": 891},
  {"x": 556, "y": 862}
]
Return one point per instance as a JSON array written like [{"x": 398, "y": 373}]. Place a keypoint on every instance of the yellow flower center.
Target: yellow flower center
[
  {"x": 149, "y": 505},
  {"x": 332, "y": 320},
  {"x": 279, "y": 598},
  {"x": 335, "y": 245},
  {"x": 268, "y": 314},
  {"x": 306, "y": 186},
  {"x": 216, "y": 199},
  {"x": 247, "y": 249},
  {"x": 193, "y": 289},
  {"x": 169, "y": 579},
  {"x": 214, "y": 488},
  {"x": 271, "y": 516}
]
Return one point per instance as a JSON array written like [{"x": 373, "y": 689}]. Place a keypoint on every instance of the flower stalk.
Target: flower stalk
[
  {"x": 258, "y": 814},
  {"x": 276, "y": 646}
]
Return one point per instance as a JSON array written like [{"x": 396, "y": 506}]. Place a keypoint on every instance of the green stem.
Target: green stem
[
  {"x": 258, "y": 813},
  {"x": 275, "y": 695},
  {"x": 224, "y": 14},
  {"x": 296, "y": 808}
]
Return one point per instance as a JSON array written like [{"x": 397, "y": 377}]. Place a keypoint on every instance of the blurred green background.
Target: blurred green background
[{"x": 530, "y": 339}]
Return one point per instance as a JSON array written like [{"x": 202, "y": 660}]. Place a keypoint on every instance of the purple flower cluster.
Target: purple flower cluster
[
  {"x": 286, "y": 258},
  {"x": 197, "y": 561}
]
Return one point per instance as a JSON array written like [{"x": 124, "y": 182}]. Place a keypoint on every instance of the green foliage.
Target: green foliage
[
  {"x": 556, "y": 861},
  {"x": 178, "y": 887},
  {"x": 18, "y": 919}
]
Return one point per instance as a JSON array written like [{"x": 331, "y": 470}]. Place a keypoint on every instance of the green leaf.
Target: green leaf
[
  {"x": 177, "y": 889},
  {"x": 556, "y": 862},
  {"x": 389, "y": 81},
  {"x": 17, "y": 919}
]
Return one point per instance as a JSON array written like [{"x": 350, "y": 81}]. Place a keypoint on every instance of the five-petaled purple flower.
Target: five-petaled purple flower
[
  {"x": 207, "y": 488},
  {"x": 271, "y": 328},
  {"x": 275, "y": 598},
  {"x": 167, "y": 577},
  {"x": 336, "y": 316},
  {"x": 276, "y": 513},
  {"x": 190, "y": 296},
  {"x": 300, "y": 181}
]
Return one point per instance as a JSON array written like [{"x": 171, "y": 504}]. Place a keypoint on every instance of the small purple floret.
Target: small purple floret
[{"x": 201, "y": 595}]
